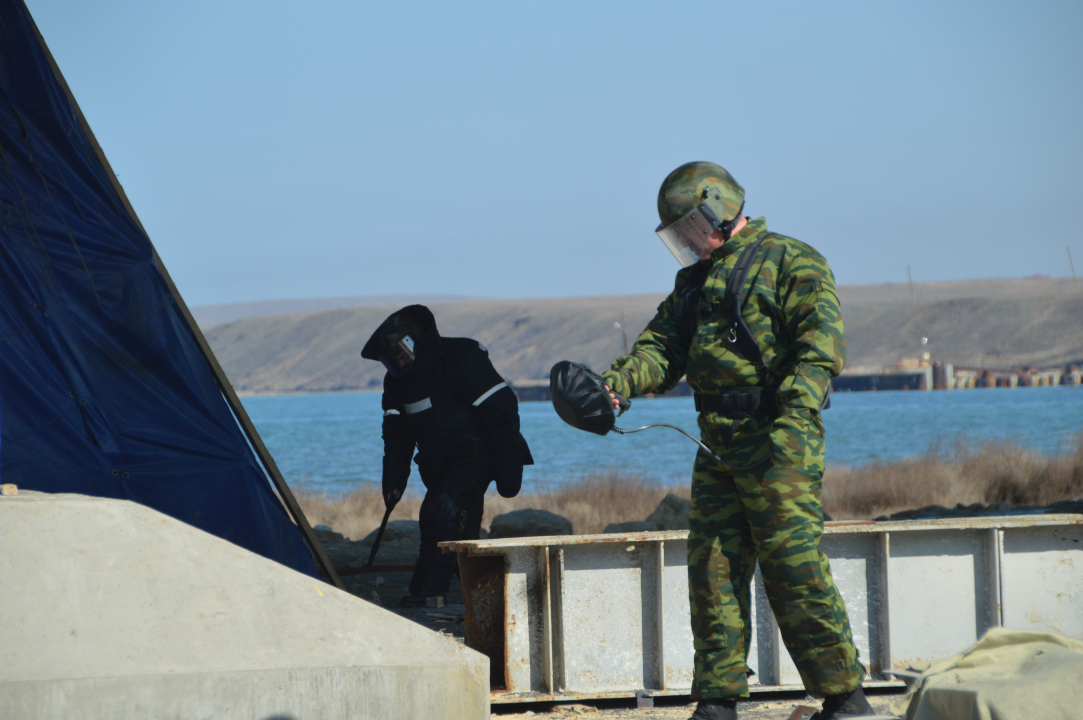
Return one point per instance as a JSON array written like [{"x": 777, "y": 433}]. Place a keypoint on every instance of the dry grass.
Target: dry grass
[
  {"x": 356, "y": 513},
  {"x": 591, "y": 502},
  {"x": 996, "y": 472},
  {"x": 991, "y": 473}
]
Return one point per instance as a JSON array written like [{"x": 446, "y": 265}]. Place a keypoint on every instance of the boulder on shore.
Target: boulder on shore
[
  {"x": 340, "y": 550},
  {"x": 325, "y": 534},
  {"x": 529, "y": 523},
  {"x": 633, "y": 526},
  {"x": 672, "y": 513},
  {"x": 397, "y": 531},
  {"x": 980, "y": 510},
  {"x": 400, "y": 544}
]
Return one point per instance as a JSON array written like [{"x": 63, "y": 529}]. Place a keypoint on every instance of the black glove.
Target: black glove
[
  {"x": 392, "y": 491},
  {"x": 509, "y": 479},
  {"x": 396, "y": 474}
]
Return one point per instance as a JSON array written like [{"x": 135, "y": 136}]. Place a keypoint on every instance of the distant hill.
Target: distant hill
[
  {"x": 320, "y": 350},
  {"x": 210, "y": 315},
  {"x": 1011, "y": 321}
]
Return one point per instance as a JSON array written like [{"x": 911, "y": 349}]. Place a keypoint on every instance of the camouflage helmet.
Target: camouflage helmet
[{"x": 698, "y": 183}]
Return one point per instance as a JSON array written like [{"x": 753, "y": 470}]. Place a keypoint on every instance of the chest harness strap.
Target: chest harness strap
[
  {"x": 735, "y": 403},
  {"x": 739, "y": 334},
  {"x": 738, "y": 403}
]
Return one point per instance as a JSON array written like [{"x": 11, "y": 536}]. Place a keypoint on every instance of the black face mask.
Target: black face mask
[{"x": 580, "y": 398}]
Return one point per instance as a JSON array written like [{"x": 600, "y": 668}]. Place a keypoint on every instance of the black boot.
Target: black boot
[
  {"x": 846, "y": 705},
  {"x": 414, "y": 601},
  {"x": 716, "y": 710}
]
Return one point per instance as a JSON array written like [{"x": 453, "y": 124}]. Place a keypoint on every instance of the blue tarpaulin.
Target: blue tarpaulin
[{"x": 103, "y": 388}]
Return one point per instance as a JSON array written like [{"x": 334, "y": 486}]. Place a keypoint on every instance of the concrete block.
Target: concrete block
[{"x": 113, "y": 610}]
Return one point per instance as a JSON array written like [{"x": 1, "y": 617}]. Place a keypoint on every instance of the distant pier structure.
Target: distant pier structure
[
  {"x": 932, "y": 375},
  {"x": 909, "y": 374},
  {"x": 873, "y": 379}
]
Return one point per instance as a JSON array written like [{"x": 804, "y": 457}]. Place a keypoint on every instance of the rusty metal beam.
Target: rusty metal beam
[{"x": 594, "y": 616}]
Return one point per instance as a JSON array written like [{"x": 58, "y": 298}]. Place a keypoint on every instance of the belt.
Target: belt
[{"x": 739, "y": 403}]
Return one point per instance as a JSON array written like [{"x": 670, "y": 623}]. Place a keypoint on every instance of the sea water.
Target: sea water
[{"x": 331, "y": 442}]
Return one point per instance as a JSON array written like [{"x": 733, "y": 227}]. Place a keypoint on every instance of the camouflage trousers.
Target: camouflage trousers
[{"x": 771, "y": 514}]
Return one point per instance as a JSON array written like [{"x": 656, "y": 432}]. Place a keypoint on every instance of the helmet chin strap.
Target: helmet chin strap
[{"x": 727, "y": 227}]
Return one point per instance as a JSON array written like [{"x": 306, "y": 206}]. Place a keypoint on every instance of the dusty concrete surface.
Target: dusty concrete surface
[{"x": 112, "y": 609}]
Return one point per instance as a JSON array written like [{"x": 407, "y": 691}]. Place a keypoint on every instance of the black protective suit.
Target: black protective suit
[{"x": 451, "y": 404}]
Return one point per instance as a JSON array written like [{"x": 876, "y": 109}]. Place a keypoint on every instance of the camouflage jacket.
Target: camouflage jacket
[{"x": 791, "y": 307}]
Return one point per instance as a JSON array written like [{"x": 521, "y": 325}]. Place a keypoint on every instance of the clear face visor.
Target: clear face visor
[
  {"x": 687, "y": 237},
  {"x": 401, "y": 354}
]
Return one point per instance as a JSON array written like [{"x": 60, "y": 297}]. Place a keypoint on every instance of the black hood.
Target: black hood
[{"x": 419, "y": 323}]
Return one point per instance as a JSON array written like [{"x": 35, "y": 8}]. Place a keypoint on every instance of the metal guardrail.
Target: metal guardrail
[{"x": 594, "y": 616}]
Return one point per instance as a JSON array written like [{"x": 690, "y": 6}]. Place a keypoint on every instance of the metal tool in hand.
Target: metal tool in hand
[{"x": 380, "y": 532}]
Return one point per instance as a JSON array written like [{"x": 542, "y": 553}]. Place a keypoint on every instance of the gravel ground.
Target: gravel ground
[
  {"x": 776, "y": 708},
  {"x": 389, "y": 588}
]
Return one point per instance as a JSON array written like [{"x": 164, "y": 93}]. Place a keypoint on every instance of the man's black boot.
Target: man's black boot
[
  {"x": 414, "y": 601},
  {"x": 716, "y": 710},
  {"x": 847, "y": 705}
]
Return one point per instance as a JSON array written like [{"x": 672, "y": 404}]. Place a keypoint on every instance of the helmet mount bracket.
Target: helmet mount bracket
[{"x": 727, "y": 227}]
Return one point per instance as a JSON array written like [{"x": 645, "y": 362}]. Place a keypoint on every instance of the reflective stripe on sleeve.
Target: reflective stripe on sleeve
[
  {"x": 416, "y": 407},
  {"x": 390, "y": 412},
  {"x": 490, "y": 391}
]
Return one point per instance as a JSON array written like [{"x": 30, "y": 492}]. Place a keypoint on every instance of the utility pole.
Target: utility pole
[
  {"x": 1070, "y": 264},
  {"x": 911, "y": 281}
]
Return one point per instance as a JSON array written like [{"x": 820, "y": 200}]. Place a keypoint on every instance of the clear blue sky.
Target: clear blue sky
[{"x": 505, "y": 149}]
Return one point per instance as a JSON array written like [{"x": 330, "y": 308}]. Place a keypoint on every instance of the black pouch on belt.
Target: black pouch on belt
[{"x": 739, "y": 403}]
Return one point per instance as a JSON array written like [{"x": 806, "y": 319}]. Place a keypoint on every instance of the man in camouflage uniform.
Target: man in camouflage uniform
[{"x": 763, "y": 502}]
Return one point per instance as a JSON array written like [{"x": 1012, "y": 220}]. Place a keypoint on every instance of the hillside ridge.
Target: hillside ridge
[{"x": 1033, "y": 321}]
